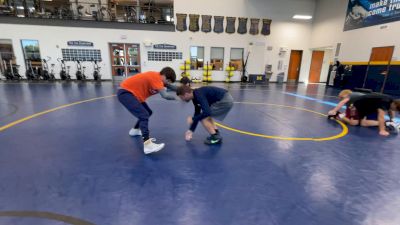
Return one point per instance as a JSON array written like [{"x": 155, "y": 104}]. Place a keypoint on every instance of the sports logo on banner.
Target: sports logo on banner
[
  {"x": 181, "y": 22},
  {"x": 364, "y": 13},
  {"x": 254, "y": 30},
  {"x": 230, "y": 25},
  {"x": 206, "y": 23},
  {"x": 242, "y": 28},
  {"x": 266, "y": 27},
  {"x": 218, "y": 24},
  {"x": 194, "y": 22}
]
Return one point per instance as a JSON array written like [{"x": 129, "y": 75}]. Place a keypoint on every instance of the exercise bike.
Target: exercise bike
[
  {"x": 11, "y": 72},
  {"x": 52, "y": 77},
  {"x": 30, "y": 73},
  {"x": 45, "y": 70},
  {"x": 79, "y": 73},
  {"x": 64, "y": 73},
  {"x": 96, "y": 71}
]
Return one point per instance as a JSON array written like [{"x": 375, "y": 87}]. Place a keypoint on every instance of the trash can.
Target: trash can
[{"x": 280, "y": 78}]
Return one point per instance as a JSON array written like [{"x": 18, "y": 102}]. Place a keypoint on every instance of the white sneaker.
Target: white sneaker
[
  {"x": 390, "y": 123},
  {"x": 150, "y": 147},
  {"x": 135, "y": 132},
  {"x": 392, "y": 127}
]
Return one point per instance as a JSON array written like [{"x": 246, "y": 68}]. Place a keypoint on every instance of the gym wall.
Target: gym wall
[
  {"x": 356, "y": 44},
  {"x": 285, "y": 32}
]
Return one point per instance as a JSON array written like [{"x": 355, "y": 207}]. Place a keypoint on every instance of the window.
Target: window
[
  {"x": 196, "y": 57},
  {"x": 217, "y": 58},
  {"x": 236, "y": 58}
]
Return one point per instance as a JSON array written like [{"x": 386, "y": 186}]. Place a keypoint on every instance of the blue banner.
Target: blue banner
[{"x": 364, "y": 13}]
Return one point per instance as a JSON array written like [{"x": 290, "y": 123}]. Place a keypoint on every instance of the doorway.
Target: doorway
[
  {"x": 383, "y": 54},
  {"x": 125, "y": 60},
  {"x": 294, "y": 66},
  {"x": 378, "y": 67},
  {"x": 316, "y": 66}
]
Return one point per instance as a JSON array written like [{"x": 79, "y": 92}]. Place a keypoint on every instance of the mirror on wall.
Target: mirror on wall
[
  {"x": 217, "y": 58},
  {"x": 196, "y": 57},
  {"x": 236, "y": 58},
  {"x": 31, "y": 51}
]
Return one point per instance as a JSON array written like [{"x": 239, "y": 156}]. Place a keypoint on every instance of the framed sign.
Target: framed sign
[
  {"x": 364, "y": 13},
  {"x": 80, "y": 43},
  {"x": 164, "y": 46}
]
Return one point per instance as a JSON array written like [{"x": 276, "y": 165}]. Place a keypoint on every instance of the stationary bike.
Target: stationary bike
[
  {"x": 79, "y": 74},
  {"x": 96, "y": 71},
  {"x": 52, "y": 77},
  {"x": 64, "y": 73},
  {"x": 11, "y": 72},
  {"x": 30, "y": 72},
  {"x": 45, "y": 70}
]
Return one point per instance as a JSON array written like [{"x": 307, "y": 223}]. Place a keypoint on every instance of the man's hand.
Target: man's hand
[
  {"x": 188, "y": 135},
  {"x": 332, "y": 113}
]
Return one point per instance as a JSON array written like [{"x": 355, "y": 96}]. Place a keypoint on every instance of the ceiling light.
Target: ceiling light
[{"x": 302, "y": 17}]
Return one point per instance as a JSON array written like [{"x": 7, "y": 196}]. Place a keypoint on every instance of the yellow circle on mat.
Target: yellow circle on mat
[{"x": 344, "y": 132}]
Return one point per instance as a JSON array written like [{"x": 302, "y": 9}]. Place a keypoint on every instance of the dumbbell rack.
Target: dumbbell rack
[
  {"x": 185, "y": 69},
  {"x": 207, "y": 73},
  {"x": 229, "y": 69}
]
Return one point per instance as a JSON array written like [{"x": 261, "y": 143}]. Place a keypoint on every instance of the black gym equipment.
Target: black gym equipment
[
  {"x": 52, "y": 77},
  {"x": 45, "y": 70},
  {"x": 79, "y": 74},
  {"x": 11, "y": 71},
  {"x": 244, "y": 64},
  {"x": 96, "y": 71},
  {"x": 30, "y": 72},
  {"x": 64, "y": 73}
]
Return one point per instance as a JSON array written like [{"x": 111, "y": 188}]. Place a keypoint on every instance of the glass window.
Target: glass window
[
  {"x": 217, "y": 58},
  {"x": 196, "y": 57},
  {"x": 236, "y": 58}
]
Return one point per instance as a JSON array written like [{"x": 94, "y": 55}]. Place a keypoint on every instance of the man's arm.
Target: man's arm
[
  {"x": 339, "y": 106},
  {"x": 166, "y": 95},
  {"x": 197, "y": 111},
  {"x": 172, "y": 87},
  {"x": 204, "y": 109}
]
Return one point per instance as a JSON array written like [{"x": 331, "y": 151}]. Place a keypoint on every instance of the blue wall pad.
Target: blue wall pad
[
  {"x": 375, "y": 78},
  {"x": 392, "y": 85},
  {"x": 357, "y": 78}
]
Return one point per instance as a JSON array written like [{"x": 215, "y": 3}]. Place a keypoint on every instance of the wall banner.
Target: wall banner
[{"x": 364, "y": 13}]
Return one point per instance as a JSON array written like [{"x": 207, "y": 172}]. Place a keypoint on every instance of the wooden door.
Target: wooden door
[
  {"x": 382, "y": 54},
  {"x": 132, "y": 59},
  {"x": 117, "y": 53},
  {"x": 294, "y": 65},
  {"x": 316, "y": 66},
  {"x": 125, "y": 59}
]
